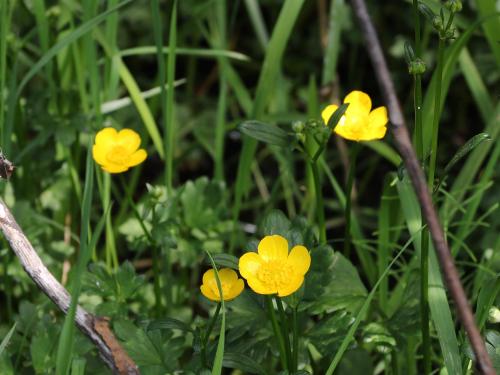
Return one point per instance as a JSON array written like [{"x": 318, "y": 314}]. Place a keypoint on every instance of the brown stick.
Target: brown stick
[
  {"x": 95, "y": 328},
  {"x": 417, "y": 177}
]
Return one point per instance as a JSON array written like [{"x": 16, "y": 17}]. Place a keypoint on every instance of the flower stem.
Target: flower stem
[
  {"x": 295, "y": 336},
  {"x": 424, "y": 255},
  {"x": 284, "y": 326},
  {"x": 320, "y": 209},
  {"x": 417, "y": 79},
  {"x": 111, "y": 256},
  {"x": 348, "y": 199},
  {"x": 277, "y": 332},
  {"x": 207, "y": 335}
]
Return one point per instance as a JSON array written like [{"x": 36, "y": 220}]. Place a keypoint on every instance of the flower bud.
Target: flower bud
[
  {"x": 298, "y": 126},
  {"x": 437, "y": 23},
  {"x": 313, "y": 123},
  {"x": 409, "y": 54},
  {"x": 453, "y": 6},
  {"x": 300, "y": 137},
  {"x": 494, "y": 315},
  {"x": 450, "y": 33},
  {"x": 427, "y": 12},
  {"x": 416, "y": 66}
]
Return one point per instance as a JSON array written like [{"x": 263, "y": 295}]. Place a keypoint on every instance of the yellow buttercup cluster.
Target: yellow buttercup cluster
[
  {"x": 117, "y": 151},
  {"x": 270, "y": 270},
  {"x": 231, "y": 285},
  {"x": 359, "y": 122}
]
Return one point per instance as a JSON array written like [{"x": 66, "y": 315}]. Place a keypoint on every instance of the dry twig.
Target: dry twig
[
  {"x": 95, "y": 328},
  {"x": 417, "y": 177}
]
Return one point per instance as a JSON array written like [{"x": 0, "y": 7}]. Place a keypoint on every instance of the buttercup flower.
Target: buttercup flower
[
  {"x": 358, "y": 123},
  {"x": 231, "y": 285},
  {"x": 116, "y": 151},
  {"x": 273, "y": 270}
]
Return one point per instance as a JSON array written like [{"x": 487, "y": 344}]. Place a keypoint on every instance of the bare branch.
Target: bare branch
[
  {"x": 417, "y": 177},
  {"x": 95, "y": 328}
]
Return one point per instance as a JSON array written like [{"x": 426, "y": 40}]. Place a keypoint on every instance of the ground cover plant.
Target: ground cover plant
[{"x": 227, "y": 187}]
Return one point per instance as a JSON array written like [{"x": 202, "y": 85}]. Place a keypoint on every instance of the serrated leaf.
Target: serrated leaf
[
  {"x": 275, "y": 222},
  {"x": 169, "y": 323},
  {"x": 242, "y": 362},
  {"x": 226, "y": 260},
  {"x": 267, "y": 133}
]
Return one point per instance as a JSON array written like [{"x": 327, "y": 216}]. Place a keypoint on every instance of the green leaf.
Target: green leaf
[
  {"x": 226, "y": 260},
  {"x": 64, "y": 42},
  {"x": 332, "y": 283},
  {"x": 242, "y": 362},
  {"x": 470, "y": 145},
  {"x": 337, "y": 115},
  {"x": 438, "y": 301},
  {"x": 267, "y": 133},
  {"x": 275, "y": 222},
  {"x": 169, "y": 323},
  {"x": 6, "y": 339}
]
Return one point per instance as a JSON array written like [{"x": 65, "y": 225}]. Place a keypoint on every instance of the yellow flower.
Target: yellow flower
[
  {"x": 116, "y": 151},
  {"x": 231, "y": 285},
  {"x": 358, "y": 123},
  {"x": 273, "y": 270}
]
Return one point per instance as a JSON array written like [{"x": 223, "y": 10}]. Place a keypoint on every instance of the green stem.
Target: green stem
[
  {"x": 295, "y": 337},
  {"x": 348, "y": 199},
  {"x": 437, "y": 113},
  {"x": 320, "y": 209},
  {"x": 111, "y": 256},
  {"x": 277, "y": 332},
  {"x": 417, "y": 106},
  {"x": 416, "y": 17},
  {"x": 424, "y": 256},
  {"x": 284, "y": 326},
  {"x": 208, "y": 333},
  {"x": 170, "y": 120},
  {"x": 424, "y": 301}
]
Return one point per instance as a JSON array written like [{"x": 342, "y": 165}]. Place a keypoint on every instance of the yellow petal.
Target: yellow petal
[
  {"x": 137, "y": 158},
  {"x": 347, "y": 132},
  {"x": 378, "y": 117},
  {"x": 129, "y": 139},
  {"x": 249, "y": 264},
  {"x": 114, "y": 168},
  {"x": 99, "y": 154},
  {"x": 273, "y": 247},
  {"x": 328, "y": 112},
  {"x": 208, "y": 276},
  {"x": 359, "y": 99},
  {"x": 207, "y": 292},
  {"x": 299, "y": 259},
  {"x": 377, "y": 133},
  {"x": 236, "y": 290},
  {"x": 106, "y": 138},
  {"x": 292, "y": 286},
  {"x": 259, "y": 287},
  {"x": 227, "y": 275}
]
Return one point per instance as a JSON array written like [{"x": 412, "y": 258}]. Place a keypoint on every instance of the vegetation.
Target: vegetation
[{"x": 168, "y": 153}]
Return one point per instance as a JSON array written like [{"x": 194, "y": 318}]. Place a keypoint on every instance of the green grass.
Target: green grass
[{"x": 185, "y": 75}]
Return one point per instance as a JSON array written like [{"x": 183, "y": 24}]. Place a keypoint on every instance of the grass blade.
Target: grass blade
[
  {"x": 438, "y": 302},
  {"x": 64, "y": 42},
  {"x": 7, "y": 338},
  {"x": 270, "y": 68}
]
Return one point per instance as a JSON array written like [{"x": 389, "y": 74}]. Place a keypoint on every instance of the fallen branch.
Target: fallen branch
[
  {"x": 417, "y": 177},
  {"x": 95, "y": 328}
]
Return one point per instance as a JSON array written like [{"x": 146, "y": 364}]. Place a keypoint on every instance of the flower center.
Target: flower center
[
  {"x": 118, "y": 155},
  {"x": 226, "y": 288},
  {"x": 275, "y": 274}
]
